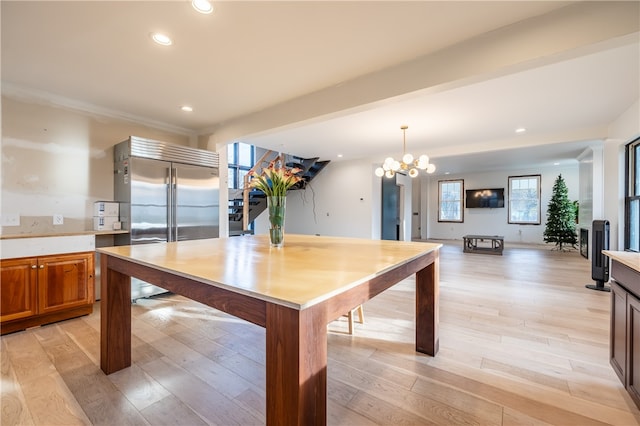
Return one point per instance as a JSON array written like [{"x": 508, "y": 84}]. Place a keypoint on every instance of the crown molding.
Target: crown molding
[{"x": 28, "y": 94}]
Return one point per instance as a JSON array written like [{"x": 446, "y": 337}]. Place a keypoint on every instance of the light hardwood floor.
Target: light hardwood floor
[{"x": 521, "y": 342}]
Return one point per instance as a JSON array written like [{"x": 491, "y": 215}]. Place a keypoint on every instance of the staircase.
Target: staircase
[
  {"x": 310, "y": 168},
  {"x": 257, "y": 204},
  {"x": 257, "y": 201}
]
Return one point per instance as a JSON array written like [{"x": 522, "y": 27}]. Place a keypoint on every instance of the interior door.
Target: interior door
[
  {"x": 390, "y": 209},
  {"x": 197, "y": 199}
]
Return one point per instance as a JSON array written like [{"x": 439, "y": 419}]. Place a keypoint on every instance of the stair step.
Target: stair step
[{"x": 310, "y": 167}]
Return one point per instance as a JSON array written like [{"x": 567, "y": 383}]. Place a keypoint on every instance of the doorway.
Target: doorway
[{"x": 392, "y": 196}]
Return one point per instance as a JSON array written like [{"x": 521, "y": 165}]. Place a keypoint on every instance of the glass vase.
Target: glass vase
[{"x": 276, "y": 205}]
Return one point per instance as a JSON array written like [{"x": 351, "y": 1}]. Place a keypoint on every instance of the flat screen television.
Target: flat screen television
[{"x": 485, "y": 198}]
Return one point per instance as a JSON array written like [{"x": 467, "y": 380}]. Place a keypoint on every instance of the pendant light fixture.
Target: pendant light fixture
[{"x": 408, "y": 164}]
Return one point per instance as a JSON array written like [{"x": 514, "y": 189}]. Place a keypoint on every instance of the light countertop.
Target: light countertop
[
  {"x": 630, "y": 259},
  {"x": 60, "y": 234},
  {"x": 306, "y": 271}
]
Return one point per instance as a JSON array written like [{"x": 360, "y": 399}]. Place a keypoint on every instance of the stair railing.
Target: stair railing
[{"x": 246, "y": 188}]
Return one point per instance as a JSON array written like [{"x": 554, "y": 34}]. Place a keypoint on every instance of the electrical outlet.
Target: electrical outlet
[
  {"x": 58, "y": 219},
  {"x": 10, "y": 220}
]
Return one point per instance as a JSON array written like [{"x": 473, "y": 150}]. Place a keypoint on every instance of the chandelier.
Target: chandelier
[{"x": 408, "y": 164}]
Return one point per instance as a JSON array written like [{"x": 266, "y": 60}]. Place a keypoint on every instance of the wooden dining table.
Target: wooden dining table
[{"x": 293, "y": 292}]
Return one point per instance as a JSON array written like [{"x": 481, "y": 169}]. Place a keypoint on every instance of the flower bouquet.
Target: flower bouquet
[{"x": 274, "y": 181}]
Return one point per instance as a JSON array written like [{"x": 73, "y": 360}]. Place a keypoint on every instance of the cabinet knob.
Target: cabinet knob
[
  {"x": 41, "y": 266},
  {"x": 33, "y": 266}
]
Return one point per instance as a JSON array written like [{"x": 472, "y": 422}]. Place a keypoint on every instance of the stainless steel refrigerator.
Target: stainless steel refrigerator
[{"x": 167, "y": 193}]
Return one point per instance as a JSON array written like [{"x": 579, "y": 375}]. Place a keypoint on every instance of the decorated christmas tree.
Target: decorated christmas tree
[{"x": 561, "y": 217}]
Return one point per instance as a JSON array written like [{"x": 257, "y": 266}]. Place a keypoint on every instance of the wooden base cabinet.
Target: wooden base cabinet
[
  {"x": 45, "y": 289},
  {"x": 618, "y": 337},
  {"x": 625, "y": 328},
  {"x": 633, "y": 345}
]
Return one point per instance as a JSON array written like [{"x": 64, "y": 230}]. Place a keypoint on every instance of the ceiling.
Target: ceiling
[{"x": 249, "y": 56}]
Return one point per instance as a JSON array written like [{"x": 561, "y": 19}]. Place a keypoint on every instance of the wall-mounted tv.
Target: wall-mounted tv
[{"x": 485, "y": 198}]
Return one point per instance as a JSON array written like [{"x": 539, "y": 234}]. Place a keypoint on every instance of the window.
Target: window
[
  {"x": 524, "y": 199},
  {"x": 240, "y": 157},
  {"x": 450, "y": 200},
  {"x": 632, "y": 199}
]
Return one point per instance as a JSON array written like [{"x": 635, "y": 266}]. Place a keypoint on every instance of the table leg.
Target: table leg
[
  {"x": 115, "y": 319},
  {"x": 296, "y": 366},
  {"x": 427, "y": 309}
]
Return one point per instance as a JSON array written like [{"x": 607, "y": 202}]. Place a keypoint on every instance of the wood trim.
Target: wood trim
[
  {"x": 246, "y": 189},
  {"x": 239, "y": 305},
  {"x": 633, "y": 349},
  {"x": 296, "y": 365},
  {"x": 115, "y": 318},
  {"x": 618, "y": 330},
  {"x": 337, "y": 306},
  {"x": 427, "y": 309},
  {"x": 626, "y": 277},
  {"x": 36, "y": 320}
]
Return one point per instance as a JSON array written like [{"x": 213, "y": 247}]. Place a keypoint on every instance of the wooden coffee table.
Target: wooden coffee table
[{"x": 474, "y": 244}]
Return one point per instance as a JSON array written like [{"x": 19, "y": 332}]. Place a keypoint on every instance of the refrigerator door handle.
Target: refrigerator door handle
[
  {"x": 174, "y": 204},
  {"x": 170, "y": 199}
]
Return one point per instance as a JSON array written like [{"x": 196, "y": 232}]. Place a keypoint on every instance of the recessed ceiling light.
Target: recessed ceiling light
[
  {"x": 521, "y": 130},
  {"x": 162, "y": 39},
  {"x": 202, "y": 6},
  {"x": 556, "y": 164},
  {"x": 339, "y": 155},
  {"x": 186, "y": 108},
  {"x": 447, "y": 173}
]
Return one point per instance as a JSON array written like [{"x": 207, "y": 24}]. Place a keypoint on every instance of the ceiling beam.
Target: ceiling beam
[{"x": 573, "y": 31}]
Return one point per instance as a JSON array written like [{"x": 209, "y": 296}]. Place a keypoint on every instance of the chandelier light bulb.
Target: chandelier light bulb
[
  {"x": 379, "y": 172},
  {"x": 386, "y": 167},
  {"x": 389, "y": 173},
  {"x": 413, "y": 173},
  {"x": 424, "y": 158},
  {"x": 388, "y": 160},
  {"x": 431, "y": 168},
  {"x": 407, "y": 158},
  {"x": 396, "y": 166}
]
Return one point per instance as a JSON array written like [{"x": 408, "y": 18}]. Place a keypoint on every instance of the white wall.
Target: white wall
[
  {"x": 59, "y": 161},
  {"x": 494, "y": 221},
  {"x": 55, "y": 160},
  {"x": 343, "y": 200},
  {"x": 622, "y": 131},
  {"x": 337, "y": 203}
]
